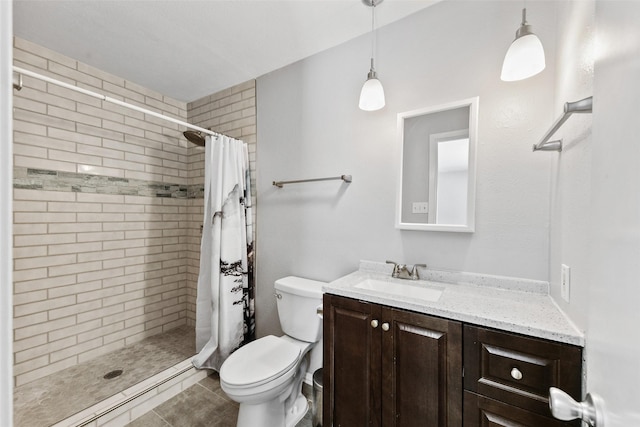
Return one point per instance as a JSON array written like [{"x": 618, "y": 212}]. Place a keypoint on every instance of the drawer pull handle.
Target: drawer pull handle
[
  {"x": 374, "y": 323},
  {"x": 516, "y": 374},
  {"x": 385, "y": 326}
]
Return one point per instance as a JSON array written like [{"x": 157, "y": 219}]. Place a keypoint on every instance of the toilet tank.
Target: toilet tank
[{"x": 298, "y": 300}]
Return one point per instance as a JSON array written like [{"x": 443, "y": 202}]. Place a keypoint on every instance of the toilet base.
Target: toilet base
[
  {"x": 297, "y": 411},
  {"x": 271, "y": 413},
  {"x": 262, "y": 414}
]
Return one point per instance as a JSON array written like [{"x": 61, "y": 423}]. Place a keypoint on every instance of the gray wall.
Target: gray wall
[
  {"x": 571, "y": 170},
  {"x": 310, "y": 126},
  {"x": 613, "y": 271}
]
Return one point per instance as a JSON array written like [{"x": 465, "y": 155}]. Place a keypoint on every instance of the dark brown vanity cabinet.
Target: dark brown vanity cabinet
[
  {"x": 385, "y": 367},
  {"x": 388, "y": 367},
  {"x": 507, "y": 378}
]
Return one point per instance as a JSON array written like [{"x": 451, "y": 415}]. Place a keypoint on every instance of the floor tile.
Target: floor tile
[
  {"x": 203, "y": 404},
  {"x": 150, "y": 419},
  {"x": 197, "y": 406},
  {"x": 58, "y": 396}
]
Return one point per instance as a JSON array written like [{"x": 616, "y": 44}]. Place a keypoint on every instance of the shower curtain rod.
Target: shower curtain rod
[{"x": 106, "y": 98}]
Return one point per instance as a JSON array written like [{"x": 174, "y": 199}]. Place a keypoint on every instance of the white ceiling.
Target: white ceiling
[{"x": 187, "y": 49}]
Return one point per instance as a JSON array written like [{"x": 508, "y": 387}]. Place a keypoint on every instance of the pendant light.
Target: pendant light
[
  {"x": 372, "y": 94},
  {"x": 525, "y": 57}
]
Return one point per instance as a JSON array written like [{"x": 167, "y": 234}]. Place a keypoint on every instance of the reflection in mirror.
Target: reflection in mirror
[
  {"x": 437, "y": 177},
  {"x": 448, "y": 175}
]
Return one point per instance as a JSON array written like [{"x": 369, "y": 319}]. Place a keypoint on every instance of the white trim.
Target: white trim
[
  {"x": 6, "y": 196},
  {"x": 434, "y": 140}
]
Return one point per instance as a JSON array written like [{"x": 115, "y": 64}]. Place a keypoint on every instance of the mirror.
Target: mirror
[{"x": 437, "y": 170}]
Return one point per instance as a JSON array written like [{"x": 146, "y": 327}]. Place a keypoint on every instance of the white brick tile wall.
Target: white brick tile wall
[
  {"x": 94, "y": 272},
  {"x": 80, "y": 258},
  {"x": 74, "y": 330},
  {"x": 29, "y": 331}
]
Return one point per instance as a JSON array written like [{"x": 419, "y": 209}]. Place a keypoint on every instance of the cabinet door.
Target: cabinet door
[
  {"x": 480, "y": 411},
  {"x": 421, "y": 370},
  {"x": 351, "y": 375}
]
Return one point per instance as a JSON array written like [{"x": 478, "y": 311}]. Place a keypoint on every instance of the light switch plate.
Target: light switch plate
[{"x": 565, "y": 282}]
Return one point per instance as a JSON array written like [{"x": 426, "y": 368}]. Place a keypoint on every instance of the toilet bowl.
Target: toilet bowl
[{"x": 265, "y": 376}]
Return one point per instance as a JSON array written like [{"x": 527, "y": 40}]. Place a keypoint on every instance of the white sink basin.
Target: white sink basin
[{"x": 408, "y": 290}]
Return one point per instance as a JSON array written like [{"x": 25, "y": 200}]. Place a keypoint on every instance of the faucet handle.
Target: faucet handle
[
  {"x": 396, "y": 268},
  {"x": 414, "y": 271}
]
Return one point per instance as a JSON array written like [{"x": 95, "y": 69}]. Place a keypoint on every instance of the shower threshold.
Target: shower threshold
[{"x": 62, "y": 395}]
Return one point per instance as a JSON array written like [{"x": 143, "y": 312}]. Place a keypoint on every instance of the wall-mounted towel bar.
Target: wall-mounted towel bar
[
  {"x": 345, "y": 178},
  {"x": 582, "y": 106}
]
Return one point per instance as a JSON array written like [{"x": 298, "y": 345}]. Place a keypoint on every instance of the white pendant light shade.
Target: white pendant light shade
[
  {"x": 371, "y": 95},
  {"x": 525, "y": 57}
]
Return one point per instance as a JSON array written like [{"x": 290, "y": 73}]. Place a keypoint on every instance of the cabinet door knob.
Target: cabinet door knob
[
  {"x": 385, "y": 326},
  {"x": 516, "y": 374},
  {"x": 374, "y": 323}
]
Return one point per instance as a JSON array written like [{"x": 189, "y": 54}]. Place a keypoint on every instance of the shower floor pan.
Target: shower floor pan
[{"x": 56, "y": 397}]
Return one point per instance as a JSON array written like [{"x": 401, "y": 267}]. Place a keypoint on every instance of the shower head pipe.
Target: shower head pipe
[{"x": 105, "y": 98}]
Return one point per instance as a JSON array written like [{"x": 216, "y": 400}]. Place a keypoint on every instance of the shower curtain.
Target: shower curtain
[{"x": 225, "y": 301}]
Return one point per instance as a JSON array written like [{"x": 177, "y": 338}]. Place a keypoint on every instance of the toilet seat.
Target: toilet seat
[{"x": 270, "y": 357}]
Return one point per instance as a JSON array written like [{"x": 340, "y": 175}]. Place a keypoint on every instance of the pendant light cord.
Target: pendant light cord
[
  {"x": 373, "y": 35},
  {"x": 373, "y": 26}
]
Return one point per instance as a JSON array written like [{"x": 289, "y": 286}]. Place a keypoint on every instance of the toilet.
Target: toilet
[{"x": 265, "y": 376}]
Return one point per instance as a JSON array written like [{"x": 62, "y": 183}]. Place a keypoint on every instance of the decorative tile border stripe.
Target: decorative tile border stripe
[{"x": 50, "y": 180}]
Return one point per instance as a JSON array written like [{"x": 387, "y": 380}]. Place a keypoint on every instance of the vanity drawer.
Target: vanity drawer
[
  {"x": 519, "y": 370},
  {"x": 480, "y": 411}
]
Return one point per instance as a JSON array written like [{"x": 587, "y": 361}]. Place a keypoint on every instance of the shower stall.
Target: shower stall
[{"x": 107, "y": 219}]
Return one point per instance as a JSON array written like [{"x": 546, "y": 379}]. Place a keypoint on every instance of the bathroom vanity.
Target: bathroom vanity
[
  {"x": 459, "y": 359},
  {"x": 383, "y": 366}
]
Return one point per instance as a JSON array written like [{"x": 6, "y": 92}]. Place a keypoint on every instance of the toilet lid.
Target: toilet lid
[{"x": 259, "y": 361}]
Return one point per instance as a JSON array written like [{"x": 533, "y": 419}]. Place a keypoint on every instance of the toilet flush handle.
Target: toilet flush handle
[{"x": 277, "y": 295}]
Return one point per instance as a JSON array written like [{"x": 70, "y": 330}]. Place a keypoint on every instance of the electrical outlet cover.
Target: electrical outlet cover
[{"x": 420, "y": 207}]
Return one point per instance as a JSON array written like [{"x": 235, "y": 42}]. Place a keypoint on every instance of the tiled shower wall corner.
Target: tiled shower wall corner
[
  {"x": 101, "y": 219},
  {"x": 231, "y": 112}
]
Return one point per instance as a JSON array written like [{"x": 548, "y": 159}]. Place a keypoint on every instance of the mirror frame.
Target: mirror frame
[{"x": 469, "y": 227}]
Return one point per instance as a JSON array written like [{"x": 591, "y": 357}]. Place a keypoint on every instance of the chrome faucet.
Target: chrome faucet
[{"x": 400, "y": 271}]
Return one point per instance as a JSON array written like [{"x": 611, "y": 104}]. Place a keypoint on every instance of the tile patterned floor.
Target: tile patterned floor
[
  {"x": 202, "y": 405},
  {"x": 58, "y": 396}
]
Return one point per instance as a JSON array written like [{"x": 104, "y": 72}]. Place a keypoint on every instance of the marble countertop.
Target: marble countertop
[{"x": 514, "y": 305}]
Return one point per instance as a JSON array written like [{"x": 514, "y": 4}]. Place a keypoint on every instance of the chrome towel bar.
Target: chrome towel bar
[
  {"x": 582, "y": 106},
  {"x": 345, "y": 178}
]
